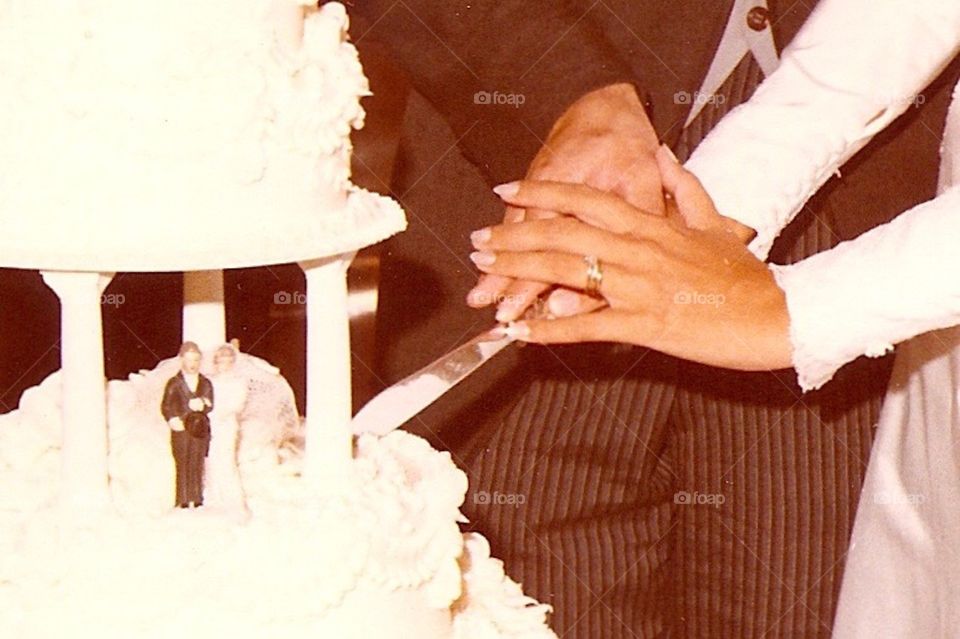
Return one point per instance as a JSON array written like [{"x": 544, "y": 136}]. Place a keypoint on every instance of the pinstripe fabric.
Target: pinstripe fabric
[
  {"x": 604, "y": 438},
  {"x": 588, "y": 454},
  {"x": 767, "y": 562}
]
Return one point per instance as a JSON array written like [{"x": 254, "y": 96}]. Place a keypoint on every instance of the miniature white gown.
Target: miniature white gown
[
  {"x": 223, "y": 489},
  {"x": 853, "y": 69}
]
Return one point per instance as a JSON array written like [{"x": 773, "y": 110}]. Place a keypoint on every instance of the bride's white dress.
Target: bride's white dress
[{"x": 223, "y": 488}]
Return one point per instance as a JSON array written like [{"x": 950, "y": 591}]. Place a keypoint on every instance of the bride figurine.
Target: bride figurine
[{"x": 222, "y": 488}]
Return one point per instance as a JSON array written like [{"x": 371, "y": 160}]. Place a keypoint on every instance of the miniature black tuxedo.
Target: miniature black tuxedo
[
  {"x": 621, "y": 454},
  {"x": 190, "y": 445}
]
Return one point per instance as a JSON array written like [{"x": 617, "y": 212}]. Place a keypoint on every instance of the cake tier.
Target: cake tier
[
  {"x": 381, "y": 557},
  {"x": 172, "y": 136}
]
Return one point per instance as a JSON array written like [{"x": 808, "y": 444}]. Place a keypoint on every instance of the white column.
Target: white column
[
  {"x": 83, "y": 389},
  {"x": 329, "y": 441},
  {"x": 204, "y": 318}
]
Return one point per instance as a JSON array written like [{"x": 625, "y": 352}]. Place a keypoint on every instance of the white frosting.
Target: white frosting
[
  {"x": 388, "y": 560},
  {"x": 161, "y": 136},
  {"x": 164, "y": 136}
]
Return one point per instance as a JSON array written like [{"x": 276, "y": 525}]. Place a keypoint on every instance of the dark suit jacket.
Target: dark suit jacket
[
  {"x": 177, "y": 396},
  {"x": 554, "y": 52}
]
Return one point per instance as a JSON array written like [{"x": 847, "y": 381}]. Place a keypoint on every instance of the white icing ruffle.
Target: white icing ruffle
[
  {"x": 493, "y": 606},
  {"x": 293, "y": 564}
]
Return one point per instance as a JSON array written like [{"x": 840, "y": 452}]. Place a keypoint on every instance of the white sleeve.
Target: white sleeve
[
  {"x": 863, "y": 296},
  {"x": 853, "y": 68}
]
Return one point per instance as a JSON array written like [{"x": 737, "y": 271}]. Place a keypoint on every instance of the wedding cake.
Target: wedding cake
[
  {"x": 219, "y": 127},
  {"x": 196, "y": 137}
]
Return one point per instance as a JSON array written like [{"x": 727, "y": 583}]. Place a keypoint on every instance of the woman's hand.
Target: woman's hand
[{"x": 681, "y": 284}]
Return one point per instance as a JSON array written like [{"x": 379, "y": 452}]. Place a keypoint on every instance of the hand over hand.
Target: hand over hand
[
  {"x": 690, "y": 289},
  {"x": 604, "y": 140}
]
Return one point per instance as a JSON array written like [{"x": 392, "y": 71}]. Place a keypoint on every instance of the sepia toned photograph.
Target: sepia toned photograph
[{"x": 480, "y": 319}]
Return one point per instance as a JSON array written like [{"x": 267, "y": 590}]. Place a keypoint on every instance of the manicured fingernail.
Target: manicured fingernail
[
  {"x": 507, "y": 190},
  {"x": 669, "y": 153},
  {"x": 483, "y": 258},
  {"x": 498, "y": 332},
  {"x": 517, "y": 330},
  {"x": 480, "y": 237},
  {"x": 506, "y": 314},
  {"x": 563, "y": 303}
]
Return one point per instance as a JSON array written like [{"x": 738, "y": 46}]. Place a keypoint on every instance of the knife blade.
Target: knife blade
[{"x": 398, "y": 404}]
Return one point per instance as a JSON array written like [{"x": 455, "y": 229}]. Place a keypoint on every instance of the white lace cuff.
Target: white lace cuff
[{"x": 862, "y": 297}]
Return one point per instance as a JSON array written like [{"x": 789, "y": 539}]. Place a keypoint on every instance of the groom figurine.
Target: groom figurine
[{"x": 187, "y": 399}]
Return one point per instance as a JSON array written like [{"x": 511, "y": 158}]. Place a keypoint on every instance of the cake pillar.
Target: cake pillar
[
  {"x": 329, "y": 440},
  {"x": 204, "y": 318},
  {"x": 83, "y": 389}
]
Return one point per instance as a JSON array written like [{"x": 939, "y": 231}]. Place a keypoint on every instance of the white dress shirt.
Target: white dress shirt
[{"x": 851, "y": 71}]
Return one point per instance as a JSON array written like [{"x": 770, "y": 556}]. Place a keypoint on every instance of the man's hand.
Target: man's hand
[
  {"x": 606, "y": 141},
  {"x": 196, "y": 404},
  {"x": 176, "y": 424}
]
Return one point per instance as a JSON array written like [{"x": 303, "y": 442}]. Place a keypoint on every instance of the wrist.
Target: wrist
[
  {"x": 613, "y": 107},
  {"x": 774, "y": 348}
]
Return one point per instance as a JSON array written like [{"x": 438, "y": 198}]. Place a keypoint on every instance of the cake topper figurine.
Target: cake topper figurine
[
  {"x": 187, "y": 399},
  {"x": 222, "y": 488}
]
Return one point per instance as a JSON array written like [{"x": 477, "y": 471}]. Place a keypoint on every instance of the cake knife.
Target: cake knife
[{"x": 398, "y": 404}]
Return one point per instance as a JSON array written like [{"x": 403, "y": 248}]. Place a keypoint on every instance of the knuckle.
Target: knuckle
[
  {"x": 549, "y": 265},
  {"x": 561, "y": 229}
]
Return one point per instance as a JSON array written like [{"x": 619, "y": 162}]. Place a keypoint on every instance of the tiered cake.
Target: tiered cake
[
  {"x": 194, "y": 137},
  {"x": 143, "y": 136}
]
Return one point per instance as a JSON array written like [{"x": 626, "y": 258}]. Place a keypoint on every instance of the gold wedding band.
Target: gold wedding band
[{"x": 594, "y": 276}]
